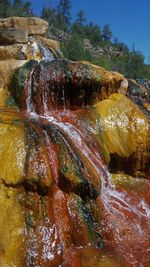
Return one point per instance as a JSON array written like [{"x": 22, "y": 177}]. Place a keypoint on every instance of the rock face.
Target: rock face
[
  {"x": 84, "y": 84},
  {"x": 13, "y": 36},
  {"x": 21, "y": 39},
  {"x": 52, "y": 44},
  {"x": 126, "y": 135},
  {"x": 74, "y": 162},
  {"x": 30, "y": 25}
]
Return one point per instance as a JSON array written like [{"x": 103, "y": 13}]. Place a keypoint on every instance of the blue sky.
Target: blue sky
[{"x": 129, "y": 19}]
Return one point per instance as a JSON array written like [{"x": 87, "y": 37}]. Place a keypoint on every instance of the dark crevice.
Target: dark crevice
[{"x": 27, "y": 187}]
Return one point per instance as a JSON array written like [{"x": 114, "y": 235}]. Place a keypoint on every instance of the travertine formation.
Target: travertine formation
[
  {"x": 32, "y": 26},
  {"x": 74, "y": 159}
]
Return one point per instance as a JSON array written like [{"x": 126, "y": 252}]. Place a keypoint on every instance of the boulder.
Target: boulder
[
  {"x": 20, "y": 52},
  {"x": 7, "y": 68},
  {"x": 49, "y": 43},
  {"x": 59, "y": 203},
  {"x": 13, "y": 36},
  {"x": 12, "y": 51},
  {"x": 70, "y": 85},
  {"x": 126, "y": 135},
  {"x": 31, "y": 25}
]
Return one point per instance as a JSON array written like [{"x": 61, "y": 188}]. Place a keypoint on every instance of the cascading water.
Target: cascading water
[
  {"x": 74, "y": 212},
  {"x": 46, "y": 53}
]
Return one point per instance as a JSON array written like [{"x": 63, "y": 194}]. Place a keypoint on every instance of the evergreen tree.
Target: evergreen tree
[
  {"x": 49, "y": 14},
  {"x": 27, "y": 9},
  {"x": 107, "y": 33},
  {"x": 63, "y": 14},
  {"x": 81, "y": 18},
  {"x": 21, "y": 8},
  {"x": 5, "y": 8},
  {"x": 17, "y": 7},
  {"x": 74, "y": 49},
  {"x": 78, "y": 25},
  {"x": 93, "y": 33}
]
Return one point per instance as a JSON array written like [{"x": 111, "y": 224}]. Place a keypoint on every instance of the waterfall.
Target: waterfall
[
  {"x": 75, "y": 211},
  {"x": 46, "y": 53}
]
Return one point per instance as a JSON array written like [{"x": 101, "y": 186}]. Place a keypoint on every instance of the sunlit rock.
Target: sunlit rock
[
  {"x": 125, "y": 126},
  {"x": 31, "y": 25},
  {"x": 126, "y": 133},
  {"x": 74, "y": 155},
  {"x": 12, "y": 36},
  {"x": 7, "y": 68},
  {"x": 12, "y": 148},
  {"x": 51, "y": 44},
  {"x": 67, "y": 85},
  {"x": 12, "y": 227}
]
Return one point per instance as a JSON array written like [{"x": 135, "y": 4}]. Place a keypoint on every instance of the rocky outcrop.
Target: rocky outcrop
[
  {"x": 50, "y": 43},
  {"x": 125, "y": 131},
  {"x": 13, "y": 36},
  {"x": 21, "y": 39},
  {"x": 97, "y": 51},
  {"x": 29, "y": 25},
  {"x": 57, "y": 34},
  {"x": 74, "y": 161},
  {"x": 70, "y": 85}
]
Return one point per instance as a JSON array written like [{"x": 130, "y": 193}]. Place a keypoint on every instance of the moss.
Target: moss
[
  {"x": 30, "y": 219},
  {"x": 19, "y": 78},
  {"x": 10, "y": 101},
  {"x": 127, "y": 182}
]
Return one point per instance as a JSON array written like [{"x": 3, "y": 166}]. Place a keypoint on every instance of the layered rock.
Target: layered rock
[
  {"x": 13, "y": 36},
  {"x": 70, "y": 85},
  {"x": 62, "y": 125},
  {"x": 126, "y": 134},
  {"x": 29, "y": 25},
  {"x": 21, "y": 39}
]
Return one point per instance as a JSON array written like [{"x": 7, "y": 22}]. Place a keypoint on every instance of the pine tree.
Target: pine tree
[
  {"x": 63, "y": 14},
  {"x": 93, "y": 33},
  {"x": 78, "y": 25},
  {"x": 27, "y": 9},
  {"x": 17, "y": 4},
  {"x": 21, "y": 8},
  {"x": 107, "y": 33},
  {"x": 49, "y": 14},
  {"x": 81, "y": 18},
  {"x": 5, "y": 8}
]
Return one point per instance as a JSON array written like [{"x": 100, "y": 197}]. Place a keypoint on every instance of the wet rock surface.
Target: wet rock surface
[
  {"x": 67, "y": 85},
  {"x": 74, "y": 161}
]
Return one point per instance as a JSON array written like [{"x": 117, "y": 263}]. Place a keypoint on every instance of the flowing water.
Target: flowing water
[{"x": 77, "y": 213}]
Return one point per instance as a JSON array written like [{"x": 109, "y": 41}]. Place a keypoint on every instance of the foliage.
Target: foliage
[
  {"x": 20, "y": 8},
  {"x": 74, "y": 49},
  {"x": 63, "y": 14},
  {"x": 93, "y": 33},
  {"x": 78, "y": 25},
  {"x": 15, "y": 8},
  {"x": 5, "y": 6},
  {"x": 107, "y": 33},
  {"x": 130, "y": 63},
  {"x": 49, "y": 14},
  {"x": 81, "y": 18}
]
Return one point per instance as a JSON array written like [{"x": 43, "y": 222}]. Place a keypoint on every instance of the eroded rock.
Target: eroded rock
[
  {"x": 59, "y": 204},
  {"x": 126, "y": 134},
  {"x": 13, "y": 36},
  {"x": 31, "y": 25}
]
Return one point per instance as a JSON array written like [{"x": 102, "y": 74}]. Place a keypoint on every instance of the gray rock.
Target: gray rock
[{"x": 13, "y": 36}]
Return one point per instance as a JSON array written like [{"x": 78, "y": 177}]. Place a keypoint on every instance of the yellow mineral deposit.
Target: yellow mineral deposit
[
  {"x": 11, "y": 227},
  {"x": 124, "y": 125}
]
